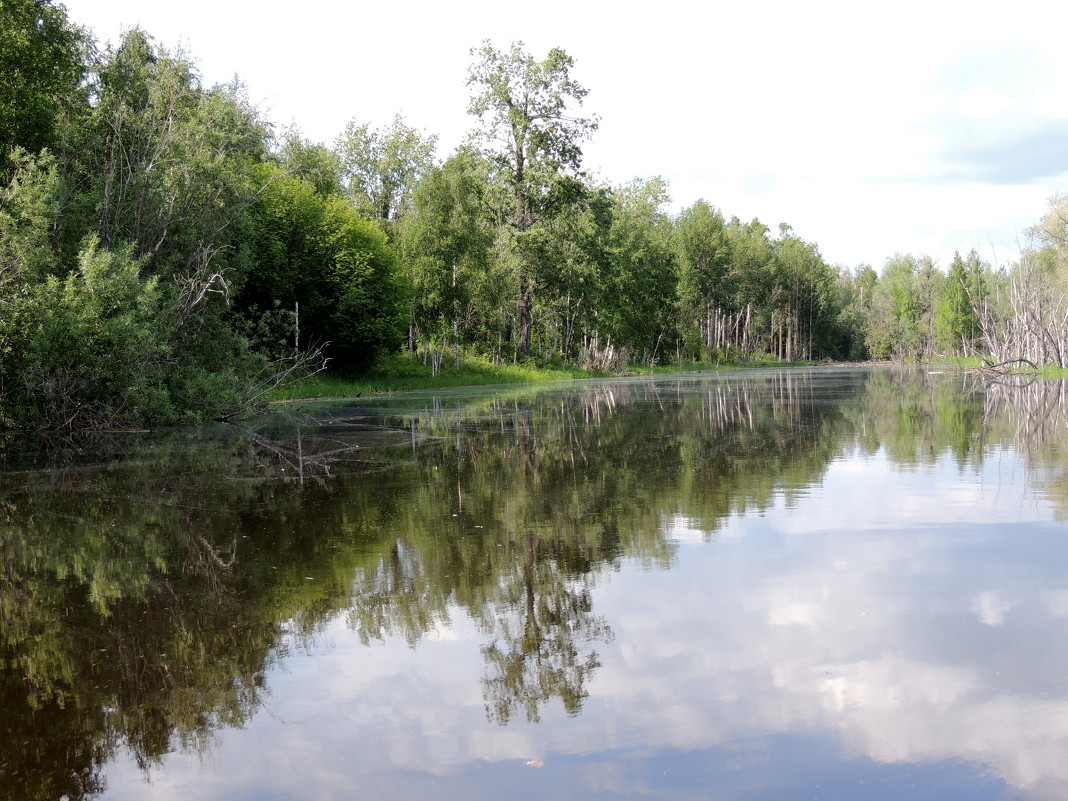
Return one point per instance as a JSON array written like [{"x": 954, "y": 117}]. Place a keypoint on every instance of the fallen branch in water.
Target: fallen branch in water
[
  {"x": 1004, "y": 367},
  {"x": 279, "y": 373}
]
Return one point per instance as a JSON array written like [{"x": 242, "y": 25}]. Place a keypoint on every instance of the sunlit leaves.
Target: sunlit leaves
[{"x": 381, "y": 167}]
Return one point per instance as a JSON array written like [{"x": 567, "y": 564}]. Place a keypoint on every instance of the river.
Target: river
[{"x": 762, "y": 584}]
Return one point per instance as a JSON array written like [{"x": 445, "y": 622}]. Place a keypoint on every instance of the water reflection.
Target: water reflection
[{"x": 884, "y": 576}]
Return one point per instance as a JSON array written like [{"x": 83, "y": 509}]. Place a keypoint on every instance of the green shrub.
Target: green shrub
[{"x": 91, "y": 347}]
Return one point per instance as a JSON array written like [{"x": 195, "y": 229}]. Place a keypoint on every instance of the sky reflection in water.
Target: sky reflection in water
[{"x": 884, "y": 621}]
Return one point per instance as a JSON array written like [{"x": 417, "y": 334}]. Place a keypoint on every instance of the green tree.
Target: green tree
[
  {"x": 381, "y": 167},
  {"x": 315, "y": 163},
  {"x": 956, "y": 323},
  {"x": 29, "y": 206},
  {"x": 165, "y": 171},
  {"x": 1052, "y": 229},
  {"x": 854, "y": 290},
  {"x": 169, "y": 163},
  {"x": 96, "y": 348},
  {"x": 447, "y": 242},
  {"x": 533, "y": 137},
  {"x": 895, "y": 328},
  {"x": 576, "y": 265},
  {"x": 97, "y": 343},
  {"x": 640, "y": 300},
  {"x": 802, "y": 299},
  {"x": 320, "y": 253},
  {"x": 751, "y": 253},
  {"x": 706, "y": 290},
  {"x": 42, "y": 63}
]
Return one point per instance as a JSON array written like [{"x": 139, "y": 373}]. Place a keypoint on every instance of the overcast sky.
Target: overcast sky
[{"x": 920, "y": 127}]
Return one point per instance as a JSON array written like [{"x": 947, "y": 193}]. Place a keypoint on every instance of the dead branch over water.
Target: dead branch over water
[
  {"x": 1031, "y": 327},
  {"x": 1036, "y": 409}
]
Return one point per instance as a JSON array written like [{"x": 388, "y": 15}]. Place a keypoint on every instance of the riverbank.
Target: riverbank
[{"x": 399, "y": 374}]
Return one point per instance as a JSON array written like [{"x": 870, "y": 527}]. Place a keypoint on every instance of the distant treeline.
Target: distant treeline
[{"x": 166, "y": 254}]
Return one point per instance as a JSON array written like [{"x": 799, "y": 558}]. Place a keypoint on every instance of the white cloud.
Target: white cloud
[{"x": 991, "y": 607}]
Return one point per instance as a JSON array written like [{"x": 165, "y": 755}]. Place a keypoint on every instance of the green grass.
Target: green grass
[
  {"x": 674, "y": 367},
  {"x": 399, "y": 374},
  {"x": 977, "y": 363},
  {"x": 960, "y": 362}
]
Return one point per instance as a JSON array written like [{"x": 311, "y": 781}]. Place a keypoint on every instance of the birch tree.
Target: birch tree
[{"x": 531, "y": 132}]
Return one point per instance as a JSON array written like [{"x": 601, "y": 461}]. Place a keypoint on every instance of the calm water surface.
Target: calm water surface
[{"x": 762, "y": 585}]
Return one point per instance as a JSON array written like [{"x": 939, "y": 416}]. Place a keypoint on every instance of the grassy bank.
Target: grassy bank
[
  {"x": 399, "y": 374},
  {"x": 689, "y": 367},
  {"x": 959, "y": 362}
]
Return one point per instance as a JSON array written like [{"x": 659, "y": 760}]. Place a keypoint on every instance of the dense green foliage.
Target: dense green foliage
[
  {"x": 41, "y": 68},
  {"x": 147, "y": 215},
  {"x": 138, "y": 284},
  {"x": 318, "y": 252}
]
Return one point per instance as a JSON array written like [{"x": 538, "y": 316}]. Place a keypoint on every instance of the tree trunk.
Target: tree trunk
[
  {"x": 526, "y": 314},
  {"x": 456, "y": 342}
]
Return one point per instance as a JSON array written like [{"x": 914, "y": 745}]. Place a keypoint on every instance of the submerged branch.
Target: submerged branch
[
  {"x": 279, "y": 373},
  {"x": 1004, "y": 367}
]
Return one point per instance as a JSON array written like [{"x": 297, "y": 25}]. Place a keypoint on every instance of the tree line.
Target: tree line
[{"x": 166, "y": 254}]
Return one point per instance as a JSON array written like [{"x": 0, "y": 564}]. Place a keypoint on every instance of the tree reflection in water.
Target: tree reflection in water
[
  {"x": 540, "y": 636},
  {"x": 146, "y": 595}
]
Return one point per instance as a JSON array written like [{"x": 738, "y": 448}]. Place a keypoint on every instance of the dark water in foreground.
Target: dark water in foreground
[{"x": 829, "y": 584}]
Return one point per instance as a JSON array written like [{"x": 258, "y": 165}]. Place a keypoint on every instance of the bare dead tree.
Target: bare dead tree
[
  {"x": 1032, "y": 329},
  {"x": 286, "y": 371},
  {"x": 607, "y": 357},
  {"x": 198, "y": 285}
]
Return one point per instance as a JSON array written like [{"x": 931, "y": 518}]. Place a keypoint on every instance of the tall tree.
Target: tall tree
[
  {"x": 531, "y": 133},
  {"x": 640, "y": 303},
  {"x": 313, "y": 162},
  {"x": 382, "y": 166},
  {"x": 751, "y": 250},
  {"x": 41, "y": 67},
  {"x": 802, "y": 299},
  {"x": 854, "y": 290},
  {"x": 447, "y": 243},
  {"x": 956, "y": 324},
  {"x": 321, "y": 253},
  {"x": 894, "y": 327},
  {"x": 115, "y": 256},
  {"x": 706, "y": 293},
  {"x": 576, "y": 266},
  {"x": 169, "y": 161}
]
